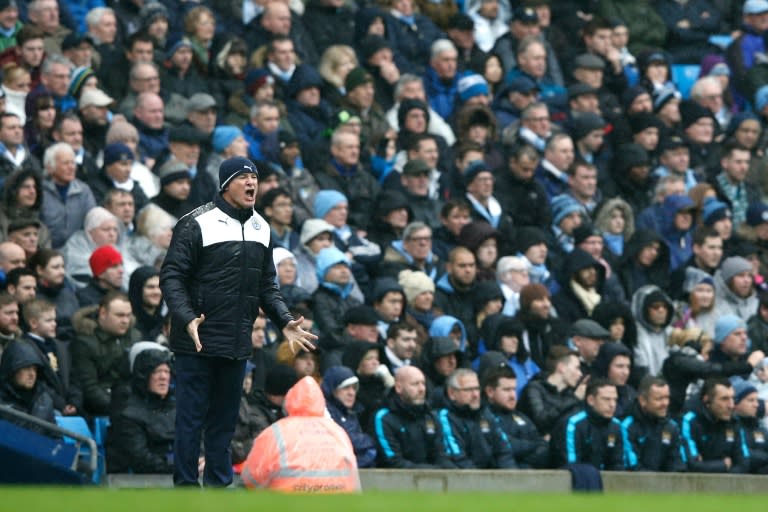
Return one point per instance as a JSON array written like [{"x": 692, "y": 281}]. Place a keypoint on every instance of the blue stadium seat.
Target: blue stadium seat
[
  {"x": 78, "y": 425},
  {"x": 101, "y": 424},
  {"x": 684, "y": 76}
]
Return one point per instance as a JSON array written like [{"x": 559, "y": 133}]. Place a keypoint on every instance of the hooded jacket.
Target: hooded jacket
[
  {"x": 305, "y": 452},
  {"x": 651, "y": 349},
  {"x": 141, "y": 435},
  {"x": 632, "y": 274},
  {"x": 220, "y": 264},
  {"x": 679, "y": 243},
  {"x": 494, "y": 328},
  {"x": 566, "y": 301},
  {"x": 330, "y": 301},
  {"x": 435, "y": 348},
  {"x": 371, "y": 393},
  {"x": 457, "y": 303},
  {"x": 600, "y": 366},
  {"x": 651, "y": 443},
  {"x": 728, "y": 303},
  {"x": 408, "y": 435},
  {"x": 364, "y": 447},
  {"x": 37, "y": 401},
  {"x": 149, "y": 325}
]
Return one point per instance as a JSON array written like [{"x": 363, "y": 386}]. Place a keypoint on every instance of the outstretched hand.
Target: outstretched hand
[
  {"x": 298, "y": 338},
  {"x": 192, "y": 331}
]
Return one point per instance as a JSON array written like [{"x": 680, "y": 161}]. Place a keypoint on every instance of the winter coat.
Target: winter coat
[
  {"x": 256, "y": 414},
  {"x": 728, "y": 303},
  {"x": 141, "y": 434},
  {"x": 358, "y": 185},
  {"x": 149, "y": 325},
  {"x": 651, "y": 349},
  {"x": 37, "y": 401},
  {"x": 651, "y": 443},
  {"x": 101, "y": 184},
  {"x": 531, "y": 451},
  {"x": 588, "y": 438},
  {"x": 63, "y": 218},
  {"x": 525, "y": 201},
  {"x": 688, "y": 45},
  {"x": 407, "y": 435},
  {"x": 473, "y": 439},
  {"x": 365, "y": 449},
  {"x": 568, "y": 305},
  {"x": 632, "y": 275},
  {"x": 545, "y": 405},
  {"x": 100, "y": 360},
  {"x": 707, "y": 441},
  {"x": 644, "y": 23},
  {"x": 220, "y": 264}
]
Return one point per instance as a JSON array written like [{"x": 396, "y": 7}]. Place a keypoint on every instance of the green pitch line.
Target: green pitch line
[{"x": 232, "y": 500}]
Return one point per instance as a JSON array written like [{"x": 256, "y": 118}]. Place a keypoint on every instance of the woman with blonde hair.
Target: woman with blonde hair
[
  {"x": 305, "y": 363},
  {"x": 154, "y": 228},
  {"x": 699, "y": 194},
  {"x": 335, "y": 64},
  {"x": 17, "y": 83},
  {"x": 200, "y": 28}
]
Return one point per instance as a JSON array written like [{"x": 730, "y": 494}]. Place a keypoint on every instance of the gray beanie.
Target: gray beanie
[
  {"x": 312, "y": 228},
  {"x": 733, "y": 266}
]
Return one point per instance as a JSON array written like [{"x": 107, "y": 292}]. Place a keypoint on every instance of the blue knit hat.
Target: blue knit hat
[
  {"x": 713, "y": 211},
  {"x": 725, "y": 325},
  {"x": 474, "y": 168},
  {"x": 117, "y": 152},
  {"x": 562, "y": 206},
  {"x": 472, "y": 85},
  {"x": 233, "y": 167},
  {"x": 327, "y": 258},
  {"x": 326, "y": 200},
  {"x": 741, "y": 388},
  {"x": 224, "y": 135},
  {"x": 173, "y": 46}
]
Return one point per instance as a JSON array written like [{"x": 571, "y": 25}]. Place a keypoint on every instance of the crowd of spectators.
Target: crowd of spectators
[{"x": 521, "y": 242}]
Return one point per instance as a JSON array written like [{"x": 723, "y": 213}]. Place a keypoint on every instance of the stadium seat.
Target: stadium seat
[
  {"x": 684, "y": 76},
  {"x": 78, "y": 425},
  {"x": 101, "y": 424}
]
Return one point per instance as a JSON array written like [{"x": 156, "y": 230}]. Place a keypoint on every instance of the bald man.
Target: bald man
[
  {"x": 406, "y": 431},
  {"x": 11, "y": 256},
  {"x": 277, "y": 20}
]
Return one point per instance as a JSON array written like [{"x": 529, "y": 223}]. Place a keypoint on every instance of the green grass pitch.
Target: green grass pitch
[{"x": 233, "y": 500}]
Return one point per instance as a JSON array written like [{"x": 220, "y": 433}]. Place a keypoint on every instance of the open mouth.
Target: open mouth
[{"x": 250, "y": 194}]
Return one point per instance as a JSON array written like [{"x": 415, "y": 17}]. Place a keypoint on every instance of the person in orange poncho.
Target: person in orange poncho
[{"x": 305, "y": 452}]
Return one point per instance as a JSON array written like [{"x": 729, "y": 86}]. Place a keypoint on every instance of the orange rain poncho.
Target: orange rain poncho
[{"x": 304, "y": 452}]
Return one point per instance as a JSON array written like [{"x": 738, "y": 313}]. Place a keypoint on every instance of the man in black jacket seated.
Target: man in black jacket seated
[
  {"x": 500, "y": 388},
  {"x": 406, "y": 431},
  {"x": 713, "y": 440},
  {"x": 140, "y": 438},
  {"x": 556, "y": 393},
  {"x": 471, "y": 436},
  {"x": 651, "y": 437},
  {"x": 217, "y": 274},
  {"x": 591, "y": 436}
]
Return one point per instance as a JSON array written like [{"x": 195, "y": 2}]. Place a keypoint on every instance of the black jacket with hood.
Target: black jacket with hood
[
  {"x": 569, "y": 307},
  {"x": 142, "y": 431},
  {"x": 37, "y": 401}
]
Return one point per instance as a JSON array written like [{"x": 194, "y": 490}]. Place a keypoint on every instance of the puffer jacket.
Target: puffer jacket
[
  {"x": 220, "y": 264},
  {"x": 141, "y": 433},
  {"x": 545, "y": 405},
  {"x": 37, "y": 401},
  {"x": 651, "y": 349}
]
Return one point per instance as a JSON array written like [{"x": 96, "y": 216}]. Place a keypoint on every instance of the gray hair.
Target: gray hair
[
  {"x": 153, "y": 220},
  {"x": 337, "y": 134},
  {"x": 122, "y": 131},
  {"x": 660, "y": 190},
  {"x": 508, "y": 263},
  {"x": 453, "y": 379},
  {"x": 697, "y": 91},
  {"x": 257, "y": 107},
  {"x": 135, "y": 68},
  {"x": 405, "y": 80},
  {"x": 93, "y": 18},
  {"x": 413, "y": 227},
  {"x": 56, "y": 58},
  {"x": 49, "y": 157},
  {"x": 440, "y": 46}
]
